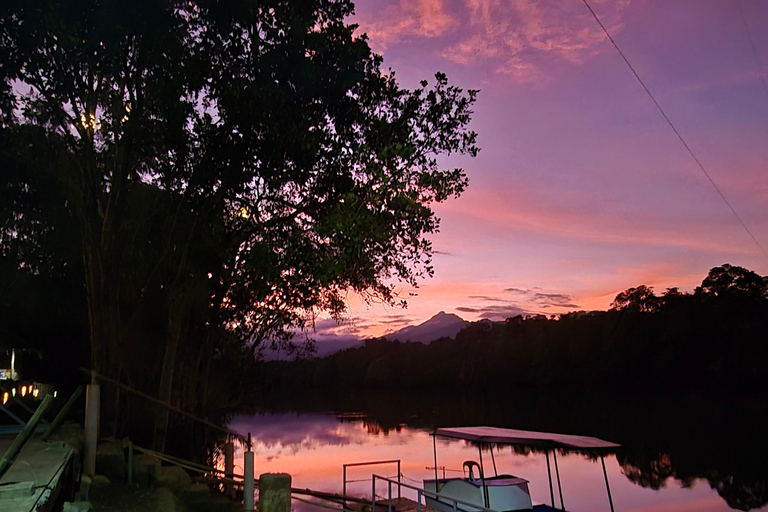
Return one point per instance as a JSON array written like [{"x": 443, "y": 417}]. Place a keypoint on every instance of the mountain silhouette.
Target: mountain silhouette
[{"x": 442, "y": 325}]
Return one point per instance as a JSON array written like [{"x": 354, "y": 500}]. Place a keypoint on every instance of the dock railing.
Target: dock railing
[
  {"x": 372, "y": 463},
  {"x": 452, "y": 502}
]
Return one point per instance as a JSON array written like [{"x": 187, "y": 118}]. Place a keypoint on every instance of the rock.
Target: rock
[
  {"x": 146, "y": 470},
  {"x": 100, "y": 481},
  {"x": 77, "y": 506},
  {"x": 71, "y": 434},
  {"x": 163, "y": 500},
  {"x": 196, "y": 488},
  {"x": 199, "y": 498},
  {"x": 85, "y": 487},
  {"x": 110, "y": 461},
  {"x": 175, "y": 478}
]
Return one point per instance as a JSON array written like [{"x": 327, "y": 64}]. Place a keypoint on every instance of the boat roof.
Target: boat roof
[{"x": 523, "y": 438}]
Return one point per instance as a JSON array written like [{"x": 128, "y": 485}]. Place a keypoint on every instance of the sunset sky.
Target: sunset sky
[{"x": 581, "y": 189}]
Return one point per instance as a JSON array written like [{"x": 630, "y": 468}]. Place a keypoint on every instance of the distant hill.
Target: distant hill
[
  {"x": 325, "y": 345},
  {"x": 442, "y": 325}
]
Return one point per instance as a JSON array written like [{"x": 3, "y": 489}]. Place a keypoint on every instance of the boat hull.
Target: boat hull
[{"x": 505, "y": 493}]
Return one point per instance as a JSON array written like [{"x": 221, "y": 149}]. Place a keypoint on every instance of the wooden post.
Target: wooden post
[
  {"x": 275, "y": 492},
  {"x": 62, "y": 413},
  {"x": 92, "y": 399},
  {"x": 248, "y": 480},
  {"x": 229, "y": 467}
]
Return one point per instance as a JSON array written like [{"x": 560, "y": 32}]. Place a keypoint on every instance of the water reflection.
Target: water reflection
[{"x": 313, "y": 448}]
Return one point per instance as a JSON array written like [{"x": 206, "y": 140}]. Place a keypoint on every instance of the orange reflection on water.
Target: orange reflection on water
[{"x": 313, "y": 449}]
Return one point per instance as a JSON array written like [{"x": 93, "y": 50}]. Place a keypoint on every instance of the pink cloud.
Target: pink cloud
[
  {"x": 525, "y": 211},
  {"x": 520, "y": 37},
  {"x": 405, "y": 18}
]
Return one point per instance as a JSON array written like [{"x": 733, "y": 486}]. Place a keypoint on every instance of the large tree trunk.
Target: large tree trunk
[
  {"x": 106, "y": 333},
  {"x": 165, "y": 391}
]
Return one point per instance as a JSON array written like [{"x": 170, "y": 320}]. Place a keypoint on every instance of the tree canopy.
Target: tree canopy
[
  {"x": 731, "y": 279},
  {"x": 230, "y": 166},
  {"x": 639, "y": 299}
]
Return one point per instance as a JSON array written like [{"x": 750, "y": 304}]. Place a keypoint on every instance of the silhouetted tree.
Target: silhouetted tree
[
  {"x": 249, "y": 159},
  {"x": 640, "y": 299},
  {"x": 731, "y": 279}
]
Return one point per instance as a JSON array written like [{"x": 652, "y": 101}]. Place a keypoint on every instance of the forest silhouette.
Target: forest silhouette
[{"x": 711, "y": 340}]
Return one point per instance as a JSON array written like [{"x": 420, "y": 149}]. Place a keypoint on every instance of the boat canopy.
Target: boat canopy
[{"x": 510, "y": 436}]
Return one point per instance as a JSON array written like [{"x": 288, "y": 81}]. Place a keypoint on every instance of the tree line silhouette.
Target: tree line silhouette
[{"x": 713, "y": 339}]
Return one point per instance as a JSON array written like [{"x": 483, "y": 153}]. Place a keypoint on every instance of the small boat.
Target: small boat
[{"x": 502, "y": 492}]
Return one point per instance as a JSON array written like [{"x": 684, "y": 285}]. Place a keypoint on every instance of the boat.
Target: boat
[{"x": 504, "y": 492}]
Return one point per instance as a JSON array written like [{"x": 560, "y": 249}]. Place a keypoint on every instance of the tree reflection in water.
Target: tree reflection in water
[{"x": 664, "y": 439}]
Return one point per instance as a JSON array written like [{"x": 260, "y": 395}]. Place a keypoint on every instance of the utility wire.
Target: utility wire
[{"x": 671, "y": 125}]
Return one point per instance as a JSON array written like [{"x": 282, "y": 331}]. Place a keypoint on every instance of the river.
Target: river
[{"x": 671, "y": 459}]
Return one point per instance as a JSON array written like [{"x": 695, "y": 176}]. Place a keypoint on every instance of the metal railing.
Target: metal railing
[
  {"x": 439, "y": 498},
  {"x": 372, "y": 463}
]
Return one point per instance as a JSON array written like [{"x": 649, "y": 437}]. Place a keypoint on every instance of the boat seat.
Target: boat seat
[{"x": 468, "y": 468}]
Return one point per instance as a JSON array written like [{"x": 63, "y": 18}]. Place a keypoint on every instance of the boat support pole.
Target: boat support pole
[
  {"x": 557, "y": 473},
  {"x": 608, "y": 487},
  {"x": 482, "y": 476},
  {"x": 495, "y": 473},
  {"x": 549, "y": 474},
  {"x": 434, "y": 450}
]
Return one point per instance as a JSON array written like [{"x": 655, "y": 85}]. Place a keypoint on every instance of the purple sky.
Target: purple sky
[{"x": 581, "y": 189}]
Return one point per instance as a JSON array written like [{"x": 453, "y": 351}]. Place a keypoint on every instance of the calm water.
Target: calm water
[{"x": 644, "y": 476}]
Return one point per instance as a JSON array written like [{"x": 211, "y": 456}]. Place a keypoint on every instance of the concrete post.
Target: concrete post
[
  {"x": 248, "y": 481},
  {"x": 92, "y": 400},
  {"x": 275, "y": 492},
  {"x": 229, "y": 466}
]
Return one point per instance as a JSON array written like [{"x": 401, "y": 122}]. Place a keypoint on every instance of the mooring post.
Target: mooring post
[
  {"x": 275, "y": 492},
  {"x": 248, "y": 478},
  {"x": 229, "y": 466},
  {"x": 92, "y": 400}
]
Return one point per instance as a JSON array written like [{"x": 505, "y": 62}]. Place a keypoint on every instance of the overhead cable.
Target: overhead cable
[{"x": 679, "y": 136}]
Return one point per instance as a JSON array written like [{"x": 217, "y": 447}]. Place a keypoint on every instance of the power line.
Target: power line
[{"x": 671, "y": 125}]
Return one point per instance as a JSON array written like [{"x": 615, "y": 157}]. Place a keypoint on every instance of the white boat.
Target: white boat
[{"x": 503, "y": 492}]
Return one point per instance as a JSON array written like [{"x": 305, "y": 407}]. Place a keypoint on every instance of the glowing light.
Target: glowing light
[
  {"x": 243, "y": 212},
  {"x": 5, "y": 398},
  {"x": 35, "y": 392},
  {"x": 13, "y": 391},
  {"x": 90, "y": 121},
  {"x": 55, "y": 394},
  {"x": 23, "y": 390}
]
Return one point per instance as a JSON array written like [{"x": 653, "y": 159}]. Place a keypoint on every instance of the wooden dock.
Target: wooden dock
[{"x": 41, "y": 477}]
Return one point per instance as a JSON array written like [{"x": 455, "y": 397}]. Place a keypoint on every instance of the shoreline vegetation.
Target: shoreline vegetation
[
  {"x": 710, "y": 341},
  {"x": 677, "y": 379}
]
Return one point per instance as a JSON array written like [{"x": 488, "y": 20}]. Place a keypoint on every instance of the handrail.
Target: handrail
[
  {"x": 422, "y": 492},
  {"x": 168, "y": 406},
  {"x": 371, "y": 463}
]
